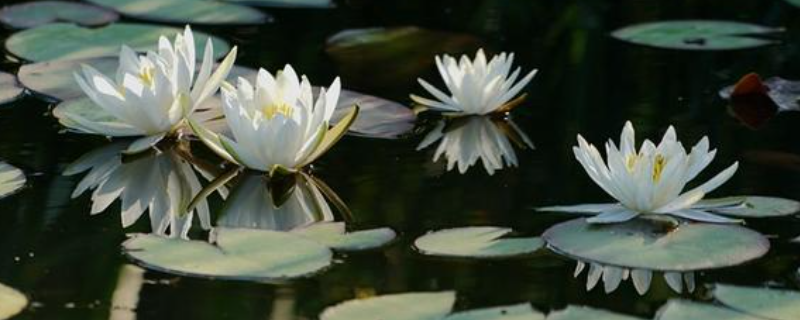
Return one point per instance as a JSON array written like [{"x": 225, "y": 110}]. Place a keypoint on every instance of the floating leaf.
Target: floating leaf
[
  {"x": 586, "y": 313},
  {"x": 515, "y": 312},
  {"x": 753, "y": 206},
  {"x": 235, "y": 254},
  {"x": 771, "y": 304},
  {"x": 687, "y": 310},
  {"x": 56, "y": 79},
  {"x": 406, "y": 52},
  {"x": 186, "y": 11},
  {"x": 654, "y": 245},
  {"x": 696, "y": 35},
  {"x": 754, "y": 102},
  {"x": 405, "y": 306},
  {"x": 335, "y": 236},
  {"x": 11, "y": 302},
  {"x": 377, "y": 117},
  {"x": 34, "y": 14},
  {"x": 287, "y": 3},
  {"x": 10, "y": 89},
  {"x": 11, "y": 179},
  {"x": 68, "y": 41},
  {"x": 476, "y": 242}
]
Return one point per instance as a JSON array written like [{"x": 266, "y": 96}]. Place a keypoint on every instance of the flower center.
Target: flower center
[
  {"x": 146, "y": 75},
  {"x": 658, "y": 165},
  {"x": 272, "y": 110}
]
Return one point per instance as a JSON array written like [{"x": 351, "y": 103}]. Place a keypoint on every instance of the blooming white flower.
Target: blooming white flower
[
  {"x": 468, "y": 139},
  {"x": 612, "y": 277},
  {"x": 277, "y": 124},
  {"x": 152, "y": 94},
  {"x": 477, "y": 87},
  {"x": 162, "y": 183},
  {"x": 650, "y": 180}
]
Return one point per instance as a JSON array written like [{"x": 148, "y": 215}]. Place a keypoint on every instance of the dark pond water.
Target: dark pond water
[{"x": 70, "y": 263}]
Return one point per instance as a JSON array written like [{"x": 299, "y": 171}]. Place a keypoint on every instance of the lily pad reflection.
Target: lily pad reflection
[
  {"x": 657, "y": 245},
  {"x": 463, "y": 141}
]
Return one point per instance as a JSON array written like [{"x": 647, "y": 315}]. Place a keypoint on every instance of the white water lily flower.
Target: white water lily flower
[
  {"x": 152, "y": 94},
  {"x": 613, "y": 276},
  {"x": 477, "y": 87},
  {"x": 162, "y": 183},
  {"x": 277, "y": 124},
  {"x": 469, "y": 139},
  {"x": 650, "y": 180}
]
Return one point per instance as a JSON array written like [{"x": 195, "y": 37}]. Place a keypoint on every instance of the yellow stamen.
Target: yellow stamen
[
  {"x": 658, "y": 167},
  {"x": 630, "y": 162},
  {"x": 147, "y": 76},
  {"x": 272, "y": 110}
]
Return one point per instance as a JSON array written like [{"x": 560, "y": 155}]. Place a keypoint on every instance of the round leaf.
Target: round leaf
[
  {"x": 754, "y": 206},
  {"x": 34, "y": 14},
  {"x": 515, "y": 312},
  {"x": 11, "y": 302},
  {"x": 685, "y": 310},
  {"x": 586, "y": 313},
  {"x": 287, "y": 3},
  {"x": 405, "y": 306},
  {"x": 333, "y": 235},
  {"x": 647, "y": 244},
  {"x": 696, "y": 35},
  {"x": 767, "y": 303},
  {"x": 475, "y": 242},
  {"x": 377, "y": 117},
  {"x": 237, "y": 254},
  {"x": 186, "y": 11},
  {"x": 10, "y": 89},
  {"x": 69, "y": 41},
  {"x": 11, "y": 179}
]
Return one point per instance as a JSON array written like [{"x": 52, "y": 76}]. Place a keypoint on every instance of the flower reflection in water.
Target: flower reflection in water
[
  {"x": 612, "y": 276},
  {"x": 279, "y": 203},
  {"x": 464, "y": 140},
  {"x": 162, "y": 182}
]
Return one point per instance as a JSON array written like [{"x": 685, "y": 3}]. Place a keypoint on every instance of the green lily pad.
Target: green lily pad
[
  {"x": 11, "y": 179},
  {"x": 236, "y": 254},
  {"x": 654, "y": 245},
  {"x": 404, "y": 306},
  {"x": 697, "y": 35},
  {"x": 476, "y": 242},
  {"x": 186, "y": 11},
  {"x": 34, "y": 14},
  {"x": 515, "y": 312},
  {"x": 402, "y": 52},
  {"x": 686, "y": 310},
  {"x": 10, "y": 88},
  {"x": 586, "y": 313},
  {"x": 287, "y": 3},
  {"x": 61, "y": 41},
  {"x": 770, "y": 304},
  {"x": 754, "y": 206},
  {"x": 55, "y": 79},
  {"x": 334, "y": 235},
  {"x": 12, "y": 302}
]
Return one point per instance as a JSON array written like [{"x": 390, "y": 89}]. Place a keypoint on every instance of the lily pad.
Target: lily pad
[
  {"x": 34, "y": 14},
  {"x": 235, "y": 254},
  {"x": 334, "y": 235},
  {"x": 10, "y": 88},
  {"x": 770, "y": 304},
  {"x": 476, "y": 242},
  {"x": 685, "y": 310},
  {"x": 515, "y": 312},
  {"x": 754, "y": 206},
  {"x": 61, "y": 41},
  {"x": 287, "y": 3},
  {"x": 586, "y": 313},
  {"x": 654, "y": 245},
  {"x": 404, "y": 306},
  {"x": 56, "y": 80},
  {"x": 11, "y": 179},
  {"x": 406, "y": 52},
  {"x": 697, "y": 35},
  {"x": 186, "y": 11},
  {"x": 12, "y": 302},
  {"x": 377, "y": 118},
  {"x": 754, "y": 102}
]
